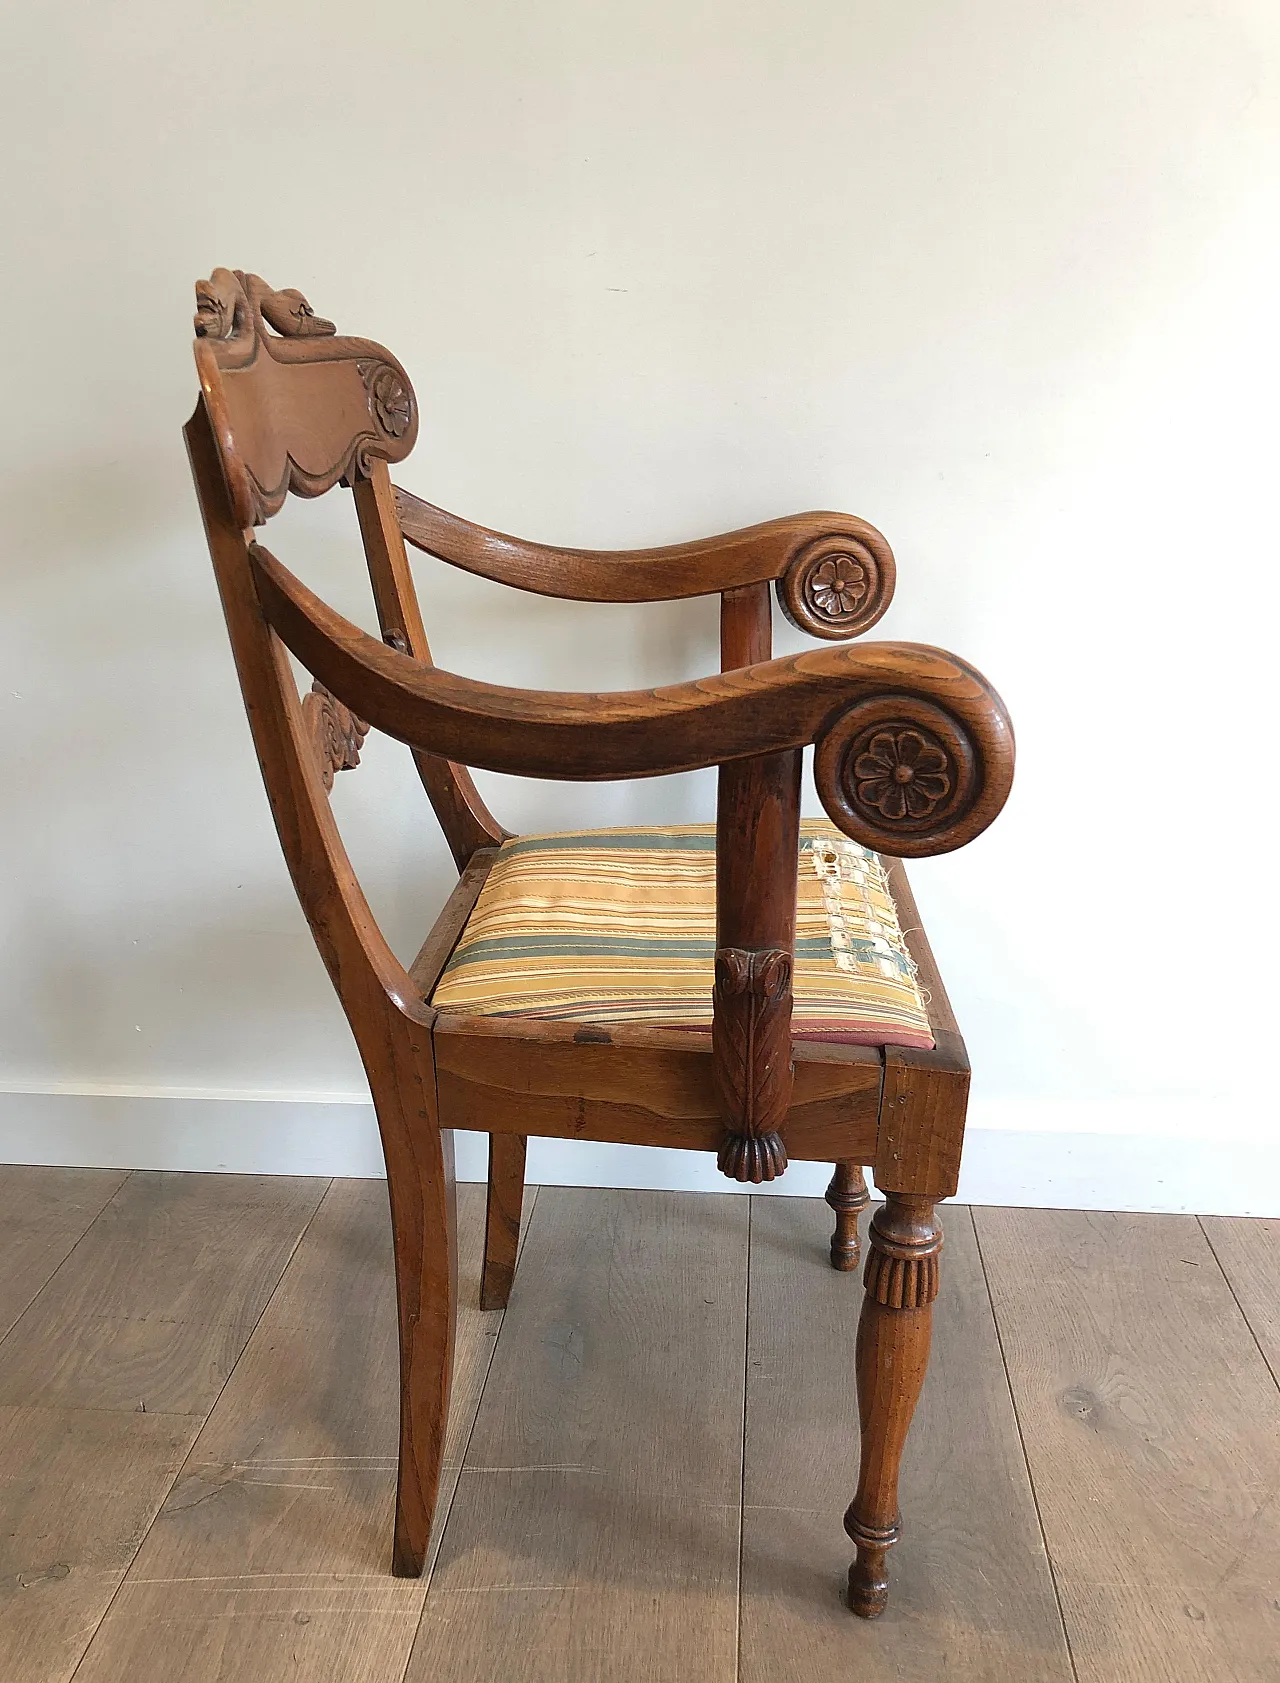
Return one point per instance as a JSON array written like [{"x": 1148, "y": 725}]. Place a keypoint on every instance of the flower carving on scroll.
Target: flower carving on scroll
[
  {"x": 837, "y": 586},
  {"x": 902, "y": 774},
  {"x": 390, "y": 401}
]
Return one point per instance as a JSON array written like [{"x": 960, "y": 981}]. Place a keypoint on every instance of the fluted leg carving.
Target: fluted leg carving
[
  {"x": 751, "y": 1058},
  {"x": 848, "y": 1197},
  {"x": 893, "y": 1353}
]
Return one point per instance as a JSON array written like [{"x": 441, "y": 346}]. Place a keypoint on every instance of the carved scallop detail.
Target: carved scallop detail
[
  {"x": 752, "y": 1158},
  {"x": 902, "y": 1257},
  {"x": 337, "y": 735},
  {"x": 898, "y": 774},
  {"x": 901, "y": 1283},
  {"x": 839, "y": 585}
]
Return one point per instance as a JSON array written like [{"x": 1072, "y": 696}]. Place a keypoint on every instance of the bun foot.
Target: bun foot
[{"x": 753, "y": 1158}]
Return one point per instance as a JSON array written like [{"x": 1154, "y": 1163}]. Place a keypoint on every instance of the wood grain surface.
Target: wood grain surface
[
  {"x": 1248, "y": 1252},
  {"x": 838, "y": 697},
  {"x": 152, "y": 1310},
  {"x": 271, "y": 1556},
  {"x": 672, "y": 1383},
  {"x": 972, "y": 1597},
  {"x": 639, "y": 1086},
  {"x": 104, "y": 1382},
  {"x": 43, "y": 1213},
  {"x": 728, "y": 562},
  {"x": 594, "y": 1533},
  {"x": 1152, "y": 1428}
]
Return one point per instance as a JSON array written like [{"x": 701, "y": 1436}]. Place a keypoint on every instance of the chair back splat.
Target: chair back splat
[
  {"x": 301, "y": 409},
  {"x": 794, "y": 1009}
]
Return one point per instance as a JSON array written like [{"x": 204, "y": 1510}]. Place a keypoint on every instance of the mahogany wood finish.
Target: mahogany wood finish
[
  {"x": 894, "y": 700},
  {"x": 893, "y": 1353},
  {"x": 795, "y": 550},
  {"x": 757, "y": 838},
  {"x": 502, "y": 1218},
  {"x": 913, "y": 756},
  {"x": 848, "y": 1197},
  {"x": 337, "y": 736},
  {"x": 465, "y": 819}
]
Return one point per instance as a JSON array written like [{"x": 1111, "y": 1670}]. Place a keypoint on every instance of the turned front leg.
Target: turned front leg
[
  {"x": 893, "y": 1353},
  {"x": 848, "y": 1197}
]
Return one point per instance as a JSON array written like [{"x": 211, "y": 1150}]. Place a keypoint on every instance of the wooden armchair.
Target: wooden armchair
[{"x": 914, "y": 756}]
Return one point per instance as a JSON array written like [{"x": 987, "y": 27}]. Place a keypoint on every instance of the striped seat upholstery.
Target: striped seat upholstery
[{"x": 618, "y": 926}]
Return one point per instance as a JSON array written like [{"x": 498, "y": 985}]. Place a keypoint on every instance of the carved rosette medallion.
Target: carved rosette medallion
[
  {"x": 337, "y": 735},
  {"x": 904, "y": 1240},
  {"x": 838, "y": 586},
  {"x": 897, "y": 773},
  {"x": 902, "y": 773},
  {"x": 390, "y": 401},
  {"x": 751, "y": 1059},
  {"x": 391, "y": 408}
]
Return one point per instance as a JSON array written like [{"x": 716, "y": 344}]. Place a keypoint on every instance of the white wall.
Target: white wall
[{"x": 1001, "y": 278}]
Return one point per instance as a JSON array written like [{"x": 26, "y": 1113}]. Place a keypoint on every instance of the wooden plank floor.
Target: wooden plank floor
[{"x": 649, "y": 1454}]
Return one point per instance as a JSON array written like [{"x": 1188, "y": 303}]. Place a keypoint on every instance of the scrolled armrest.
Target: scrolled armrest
[
  {"x": 914, "y": 749},
  {"x": 835, "y": 573},
  {"x": 909, "y": 777}
]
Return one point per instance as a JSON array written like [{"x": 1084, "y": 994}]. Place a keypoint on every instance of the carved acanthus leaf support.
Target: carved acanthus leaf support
[
  {"x": 751, "y": 1058},
  {"x": 337, "y": 735}
]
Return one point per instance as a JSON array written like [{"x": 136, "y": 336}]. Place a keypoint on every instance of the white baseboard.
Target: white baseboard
[{"x": 1063, "y": 1164}]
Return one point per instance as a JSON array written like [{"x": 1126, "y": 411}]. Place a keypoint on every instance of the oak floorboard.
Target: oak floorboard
[
  {"x": 82, "y": 1473},
  {"x": 971, "y": 1597},
  {"x": 1152, "y": 1427},
  {"x": 1248, "y": 1252},
  {"x": 78, "y": 1488},
  {"x": 151, "y": 1311},
  {"x": 43, "y": 1214},
  {"x": 594, "y": 1533},
  {"x": 271, "y": 1556}
]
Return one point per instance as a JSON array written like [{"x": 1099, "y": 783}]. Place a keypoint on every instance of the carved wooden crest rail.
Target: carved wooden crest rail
[{"x": 295, "y": 407}]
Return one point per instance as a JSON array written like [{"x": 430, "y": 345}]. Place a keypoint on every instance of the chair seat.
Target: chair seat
[{"x": 618, "y": 926}]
